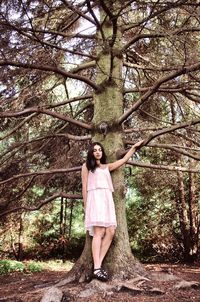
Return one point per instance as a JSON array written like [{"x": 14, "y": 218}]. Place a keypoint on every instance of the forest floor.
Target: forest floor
[{"x": 21, "y": 287}]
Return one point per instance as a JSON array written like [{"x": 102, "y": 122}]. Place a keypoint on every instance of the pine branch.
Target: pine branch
[
  {"x": 71, "y": 100},
  {"x": 170, "y": 5},
  {"x": 142, "y": 36},
  {"x": 53, "y": 69},
  {"x": 176, "y": 148},
  {"x": 171, "y": 129},
  {"x": 27, "y": 119},
  {"x": 77, "y": 11},
  {"x": 162, "y": 167},
  {"x": 159, "y": 35},
  {"x": 45, "y": 111},
  {"x": 60, "y": 33},
  {"x": 155, "y": 87},
  {"x": 43, "y": 203},
  {"x": 38, "y": 173},
  {"x": 36, "y": 38}
]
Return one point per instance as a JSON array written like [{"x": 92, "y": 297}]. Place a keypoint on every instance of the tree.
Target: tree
[{"x": 132, "y": 64}]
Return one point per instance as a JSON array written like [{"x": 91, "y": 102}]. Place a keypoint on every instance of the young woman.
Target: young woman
[{"x": 97, "y": 188}]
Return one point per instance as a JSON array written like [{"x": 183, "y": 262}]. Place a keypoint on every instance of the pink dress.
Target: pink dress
[{"x": 100, "y": 208}]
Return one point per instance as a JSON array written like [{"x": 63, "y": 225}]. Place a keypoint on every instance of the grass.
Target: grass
[
  {"x": 10, "y": 266},
  {"x": 56, "y": 265}
]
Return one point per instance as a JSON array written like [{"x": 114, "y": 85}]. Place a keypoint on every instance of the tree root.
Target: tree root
[{"x": 136, "y": 286}]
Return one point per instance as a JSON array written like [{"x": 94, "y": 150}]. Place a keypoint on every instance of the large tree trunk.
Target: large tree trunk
[
  {"x": 183, "y": 216},
  {"x": 20, "y": 239},
  {"x": 108, "y": 107},
  {"x": 187, "y": 218},
  {"x": 193, "y": 216}
]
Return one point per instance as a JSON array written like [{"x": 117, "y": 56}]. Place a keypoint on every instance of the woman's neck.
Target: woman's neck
[{"x": 98, "y": 162}]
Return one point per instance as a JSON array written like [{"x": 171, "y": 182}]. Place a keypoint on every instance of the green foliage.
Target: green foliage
[
  {"x": 47, "y": 239},
  {"x": 34, "y": 267},
  {"x": 10, "y": 266},
  {"x": 44, "y": 236},
  {"x": 152, "y": 234}
]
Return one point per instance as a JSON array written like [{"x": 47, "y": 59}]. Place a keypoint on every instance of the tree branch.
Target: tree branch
[
  {"x": 48, "y": 112},
  {"x": 96, "y": 21},
  {"x": 153, "y": 68},
  {"x": 162, "y": 167},
  {"x": 83, "y": 66},
  {"x": 27, "y": 119},
  {"x": 46, "y": 201},
  {"x": 170, "y": 129},
  {"x": 72, "y": 137},
  {"x": 38, "y": 173},
  {"x": 35, "y": 38},
  {"x": 185, "y": 137},
  {"x": 170, "y": 5},
  {"x": 131, "y": 130},
  {"x": 154, "y": 88},
  {"x": 174, "y": 89},
  {"x": 142, "y": 36},
  {"x": 159, "y": 35},
  {"x": 53, "y": 69},
  {"x": 59, "y": 33},
  {"x": 78, "y": 12},
  {"x": 175, "y": 148},
  {"x": 75, "y": 99}
]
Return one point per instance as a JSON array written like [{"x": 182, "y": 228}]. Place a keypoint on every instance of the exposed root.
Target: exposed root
[
  {"x": 187, "y": 285},
  {"x": 135, "y": 286}
]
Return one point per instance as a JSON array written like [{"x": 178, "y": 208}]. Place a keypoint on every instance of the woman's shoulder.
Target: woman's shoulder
[{"x": 84, "y": 167}]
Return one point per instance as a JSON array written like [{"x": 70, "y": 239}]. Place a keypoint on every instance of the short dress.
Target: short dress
[{"x": 100, "y": 208}]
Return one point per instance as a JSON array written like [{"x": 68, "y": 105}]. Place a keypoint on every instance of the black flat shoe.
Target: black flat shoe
[
  {"x": 99, "y": 275},
  {"x": 104, "y": 272}
]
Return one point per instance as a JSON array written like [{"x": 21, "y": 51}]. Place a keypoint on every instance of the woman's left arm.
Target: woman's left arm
[{"x": 127, "y": 156}]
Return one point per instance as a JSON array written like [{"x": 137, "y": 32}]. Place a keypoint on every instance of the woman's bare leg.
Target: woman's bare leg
[
  {"x": 106, "y": 242},
  {"x": 99, "y": 233}
]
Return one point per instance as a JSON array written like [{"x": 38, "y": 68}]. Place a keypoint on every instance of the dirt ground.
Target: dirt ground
[{"x": 19, "y": 287}]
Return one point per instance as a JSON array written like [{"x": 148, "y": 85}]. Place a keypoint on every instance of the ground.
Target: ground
[{"x": 20, "y": 287}]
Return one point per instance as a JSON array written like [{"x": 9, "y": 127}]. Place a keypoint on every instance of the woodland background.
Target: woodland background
[{"x": 50, "y": 60}]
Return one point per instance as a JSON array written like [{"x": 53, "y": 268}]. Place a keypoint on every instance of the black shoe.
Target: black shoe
[
  {"x": 99, "y": 275},
  {"x": 104, "y": 272}
]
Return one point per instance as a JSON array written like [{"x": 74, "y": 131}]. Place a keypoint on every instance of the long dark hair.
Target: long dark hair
[{"x": 91, "y": 161}]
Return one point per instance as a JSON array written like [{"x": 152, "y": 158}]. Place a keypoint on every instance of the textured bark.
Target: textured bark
[
  {"x": 20, "y": 240},
  {"x": 61, "y": 216},
  {"x": 193, "y": 217},
  {"x": 183, "y": 215},
  {"x": 186, "y": 206}
]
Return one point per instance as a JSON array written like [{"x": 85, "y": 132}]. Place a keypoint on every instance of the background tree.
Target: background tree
[{"x": 113, "y": 71}]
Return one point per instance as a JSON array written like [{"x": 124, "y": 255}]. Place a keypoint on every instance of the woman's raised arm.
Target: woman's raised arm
[{"x": 127, "y": 156}]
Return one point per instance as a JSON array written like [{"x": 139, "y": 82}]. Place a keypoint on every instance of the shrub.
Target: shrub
[
  {"x": 34, "y": 267},
  {"x": 10, "y": 266}
]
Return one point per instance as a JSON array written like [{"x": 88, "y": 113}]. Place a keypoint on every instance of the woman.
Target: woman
[{"x": 97, "y": 188}]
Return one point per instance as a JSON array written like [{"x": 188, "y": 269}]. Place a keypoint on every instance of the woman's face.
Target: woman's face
[{"x": 97, "y": 152}]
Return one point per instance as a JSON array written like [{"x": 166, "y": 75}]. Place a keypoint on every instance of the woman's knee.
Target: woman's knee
[
  {"x": 110, "y": 231},
  {"x": 99, "y": 232}
]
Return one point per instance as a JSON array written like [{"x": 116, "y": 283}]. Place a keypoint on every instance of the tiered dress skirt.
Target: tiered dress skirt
[{"x": 100, "y": 209}]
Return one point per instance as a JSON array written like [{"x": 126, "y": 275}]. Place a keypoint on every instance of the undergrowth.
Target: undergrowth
[{"x": 12, "y": 266}]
